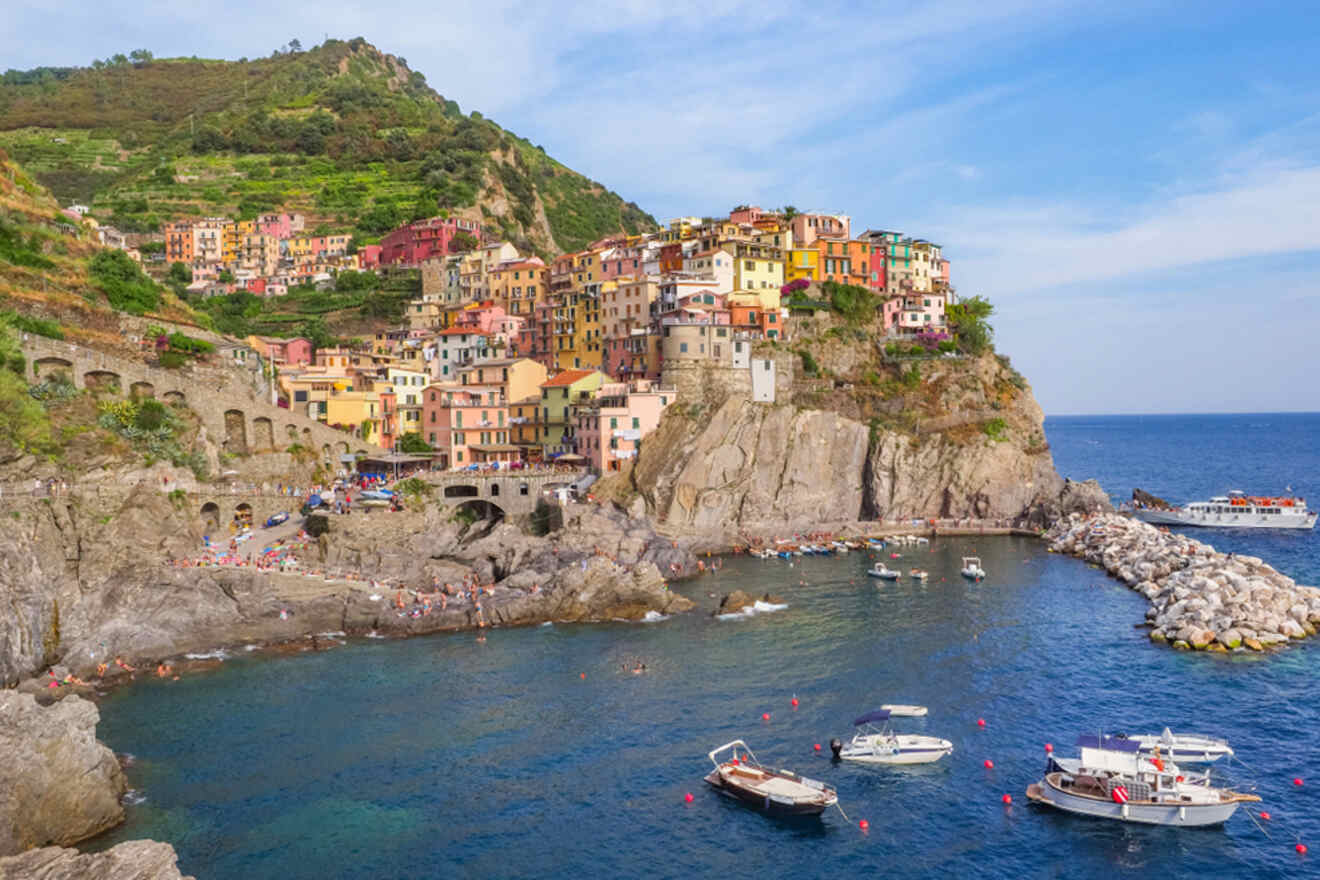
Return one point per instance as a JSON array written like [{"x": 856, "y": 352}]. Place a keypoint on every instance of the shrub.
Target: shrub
[
  {"x": 994, "y": 429},
  {"x": 122, "y": 280},
  {"x": 38, "y": 326},
  {"x": 172, "y": 360},
  {"x": 151, "y": 414},
  {"x": 809, "y": 365}
]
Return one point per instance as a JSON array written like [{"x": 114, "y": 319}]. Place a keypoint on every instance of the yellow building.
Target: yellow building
[
  {"x": 349, "y": 409},
  {"x": 756, "y": 266},
  {"x": 802, "y": 263}
]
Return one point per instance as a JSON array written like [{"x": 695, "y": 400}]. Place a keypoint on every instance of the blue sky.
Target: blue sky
[{"x": 1136, "y": 189}]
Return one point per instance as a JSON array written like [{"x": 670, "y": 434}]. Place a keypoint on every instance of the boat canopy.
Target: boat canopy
[
  {"x": 876, "y": 715},
  {"x": 1109, "y": 743}
]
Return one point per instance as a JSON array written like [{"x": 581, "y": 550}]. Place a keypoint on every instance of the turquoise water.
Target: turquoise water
[{"x": 441, "y": 757}]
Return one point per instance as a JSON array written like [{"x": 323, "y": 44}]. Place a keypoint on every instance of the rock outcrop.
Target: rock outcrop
[
  {"x": 131, "y": 860},
  {"x": 1199, "y": 599},
  {"x": 58, "y": 785}
]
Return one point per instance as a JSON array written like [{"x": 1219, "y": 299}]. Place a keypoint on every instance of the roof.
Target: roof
[
  {"x": 568, "y": 377},
  {"x": 455, "y": 331}
]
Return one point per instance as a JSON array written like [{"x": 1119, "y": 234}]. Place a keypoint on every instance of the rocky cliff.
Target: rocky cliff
[
  {"x": 57, "y": 783},
  {"x": 84, "y": 578},
  {"x": 949, "y": 438},
  {"x": 131, "y": 860}
]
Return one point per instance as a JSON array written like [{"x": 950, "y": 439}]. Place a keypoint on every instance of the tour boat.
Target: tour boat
[
  {"x": 1235, "y": 510},
  {"x": 775, "y": 791},
  {"x": 919, "y": 574},
  {"x": 1187, "y": 748},
  {"x": 907, "y": 711},
  {"x": 880, "y": 571},
  {"x": 880, "y": 745},
  {"x": 971, "y": 567},
  {"x": 1113, "y": 780}
]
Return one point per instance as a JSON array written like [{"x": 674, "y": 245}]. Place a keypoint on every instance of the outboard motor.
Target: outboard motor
[{"x": 836, "y": 747}]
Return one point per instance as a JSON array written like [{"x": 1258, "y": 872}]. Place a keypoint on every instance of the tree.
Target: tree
[
  {"x": 179, "y": 274},
  {"x": 225, "y": 277},
  {"x": 24, "y": 424},
  {"x": 141, "y": 57},
  {"x": 462, "y": 242},
  {"x": 295, "y": 45},
  {"x": 790, "y": 212},
  {"x": 413, "y": 444},
  {"x": 970, "y": 320}
]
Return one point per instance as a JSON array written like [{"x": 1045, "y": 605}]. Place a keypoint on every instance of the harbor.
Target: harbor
[{"x": 239, "y": 765}]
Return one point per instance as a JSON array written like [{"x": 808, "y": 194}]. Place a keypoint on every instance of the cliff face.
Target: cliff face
[{"x": 956, "y": 439}]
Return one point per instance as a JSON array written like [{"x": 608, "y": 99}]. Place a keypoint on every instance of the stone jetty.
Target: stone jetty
[{"x": 1200, "y": 599}]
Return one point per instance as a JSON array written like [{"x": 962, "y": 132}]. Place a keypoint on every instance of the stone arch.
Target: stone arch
[
  {"x": 175, "y": 398},
  {"x": 101, "y": 379},
  {"x": 464, "y": 491},
  {"x": 211, "y": 515},
  {"x": 483, "y": 509},
  {"x": 263, "y": 434},
  {"x": 44, "y": 368},
  {"x": 142, "y": 389},
  {"x": 243, "y": 513},
  {"x": 235, "y": 432}
]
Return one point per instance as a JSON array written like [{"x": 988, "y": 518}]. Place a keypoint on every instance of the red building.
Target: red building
[{"x": 425, "y": 239}]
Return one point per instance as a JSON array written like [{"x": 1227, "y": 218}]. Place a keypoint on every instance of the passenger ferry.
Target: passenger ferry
[{"x": 1235, "y": 510}]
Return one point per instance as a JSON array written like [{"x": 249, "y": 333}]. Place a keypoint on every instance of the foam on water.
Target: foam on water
[{"x": 757, "y": 607}]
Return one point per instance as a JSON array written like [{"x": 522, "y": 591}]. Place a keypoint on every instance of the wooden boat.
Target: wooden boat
[
  {"x": 1112, "y": 780},
  {"x": 918, "y": 574},
  {"x": 782, "y": 792}
]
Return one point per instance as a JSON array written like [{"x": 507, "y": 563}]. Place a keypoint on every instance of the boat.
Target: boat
[
  {"x": 781, "y": 792},
  {"x": 918, "y": 574},
  {"x": 880, "y": 571},
  {"x": 971, "y": 567},
  {"x": 880, "y": 745},
  {"x": 1113, "y": 780},
  {"x": 1236, "y": 510},
  {"x": 1187, "y": 748},
  {"x": 903, "y": 710},
  {"x": 277, "y": 519}
]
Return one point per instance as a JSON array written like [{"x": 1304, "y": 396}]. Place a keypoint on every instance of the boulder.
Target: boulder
[
  {"x": 1230, "y": 639},
  {"x": 735, "y": 602},
  {"x": 131, "y": 860},
  {"x": 61, "y": 785},
  {"x": 1253, "y": 644}
]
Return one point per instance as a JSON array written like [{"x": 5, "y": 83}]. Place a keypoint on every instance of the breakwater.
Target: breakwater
[{"x": 1200, "y": 599}]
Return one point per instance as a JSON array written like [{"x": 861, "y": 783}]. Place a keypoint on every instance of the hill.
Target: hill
[{"x": 344, "y": 133}]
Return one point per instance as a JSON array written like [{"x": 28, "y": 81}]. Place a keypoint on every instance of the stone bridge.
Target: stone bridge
[
  {"x": 235, "y": 414},
  {"x": 503, "y": 495}
]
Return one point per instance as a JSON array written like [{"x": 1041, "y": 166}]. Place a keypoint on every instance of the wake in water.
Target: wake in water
[{"x": 757, "y": 607}]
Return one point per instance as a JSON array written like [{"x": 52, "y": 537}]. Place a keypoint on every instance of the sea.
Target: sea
[{"x": 540, "y": 753}]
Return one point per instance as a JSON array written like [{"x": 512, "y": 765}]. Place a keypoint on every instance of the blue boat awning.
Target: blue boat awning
[
  {"x": 877, "y": 715},
  {"x": 1110, "y": 743}
]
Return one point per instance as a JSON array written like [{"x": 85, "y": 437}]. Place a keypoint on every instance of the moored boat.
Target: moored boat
[
  {"x": 904, "y": 710},
  {"x": 1113, "y": 780},
  {"x": 1236, "y": 510},
  {"x": 971, "y": 567},
  {"x": 783, "y": 792},
  {"x": 918, "y": 574},
  {"x": 880, "y": 571},
  {"x": 1187, "y": 748},
  {"x": 881, "y": 745}
]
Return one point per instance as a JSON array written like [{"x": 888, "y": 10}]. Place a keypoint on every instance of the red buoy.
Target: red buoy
[
  {"x": 688, "y": 797},
  {"x": 863, "y": 824},
  {"x": 980, "y": 722},
  {"x": 1049, "y": 747},
  {"x": 1264, "y": 815},
  {"x": 818, "y": 747},
  {"x": 989, "y": 765},
  {"x": 1301, "y": 849},
  {"x": 1008, "y": 799},
  {"x": 794, "y": 701},
  {"x": 583, "y": 676},
  {"x": 765, "y": 716},
  {"x": 1297, "y": 781}
]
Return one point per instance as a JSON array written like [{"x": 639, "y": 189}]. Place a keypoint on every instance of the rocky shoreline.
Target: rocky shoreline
[{"x": 1200, "y": 599}]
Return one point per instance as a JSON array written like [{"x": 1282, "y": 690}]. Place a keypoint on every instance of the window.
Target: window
[
  {"x": 682, "y": 346},
  {"x": 459, "y": 438},
  {"x": 614, "y": 423},
  {"x": 300, "y": 396},
  {"x": 770, "y": 318},
  {"x": 664, "y": 401},
  {"x": 721, "y": 332},
  {"x": 637, "y": 423},
  {"x": 432, "y": 438},
  {"x": 458, "y": 456},
  {"x": 749, "y": 265}
]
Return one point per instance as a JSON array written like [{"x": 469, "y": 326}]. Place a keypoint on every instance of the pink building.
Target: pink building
[
  {"x": 280, "y": 225},
  {"x": 369, "y": 256},
  {"x": 809, "y": 227},
  {"x": 425, "y": 239},
  {"x": 480, "y": 320},
  {"x": 467, "y": 424},
  {"x": 635, "y": 356},
  {"x": 750, "y": 214},
  {"x": 610, "y": 429},
  {"x": 620, "y": 262},
  {"x": 285, "y": 351}
]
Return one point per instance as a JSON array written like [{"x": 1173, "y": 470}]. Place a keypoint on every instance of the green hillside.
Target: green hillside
[{"x": 343, "y": 133}]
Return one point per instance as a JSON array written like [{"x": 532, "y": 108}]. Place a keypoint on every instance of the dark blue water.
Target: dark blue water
[{"x": 443, "y": 757}]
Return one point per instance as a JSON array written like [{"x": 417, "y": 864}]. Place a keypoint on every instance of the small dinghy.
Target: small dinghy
[
  {"x": 776, "y": 791},
  {"x": 918, "y": 574},
  {"x": 897, "y": 710},
  {"x": 971, "y": 568},
  {"x": 880, "y": 745},
  {"x": 1185, "y": 748},
  {"x": 881, "y": 572}
]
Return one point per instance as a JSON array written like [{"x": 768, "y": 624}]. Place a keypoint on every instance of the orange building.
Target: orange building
[{"x": 850, "y": 261}]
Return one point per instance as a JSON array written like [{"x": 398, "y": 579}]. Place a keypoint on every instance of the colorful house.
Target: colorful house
[
  {"x": 610, "y": 429},
  {"x": 558, "y": 396}
]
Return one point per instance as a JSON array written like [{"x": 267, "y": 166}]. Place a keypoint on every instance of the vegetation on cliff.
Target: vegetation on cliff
[{"x": 343, "y": 133}]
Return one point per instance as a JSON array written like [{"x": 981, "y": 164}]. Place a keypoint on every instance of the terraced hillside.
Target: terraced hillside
[{"x": 343, "y": 133}]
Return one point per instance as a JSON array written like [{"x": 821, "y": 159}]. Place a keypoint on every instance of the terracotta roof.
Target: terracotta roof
[
  {"x": 455, "y": 331},
  {"x": 568, "y": 377}
]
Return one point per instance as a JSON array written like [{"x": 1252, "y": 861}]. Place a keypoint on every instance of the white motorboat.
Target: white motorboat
[
  {"x": 918, "y": 574},
  {"x": 776, "y": 791},
  {"x": 1185, "y": 748},
  {"x": 906, "y": 711},
  {"x": 1112, "y": 780},
  {"x": 1236, "y": 510},
  {"x": 971, "y": 567},
  {"x": 880, "y": 745},
  {"x": 880, "y": 571}
]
